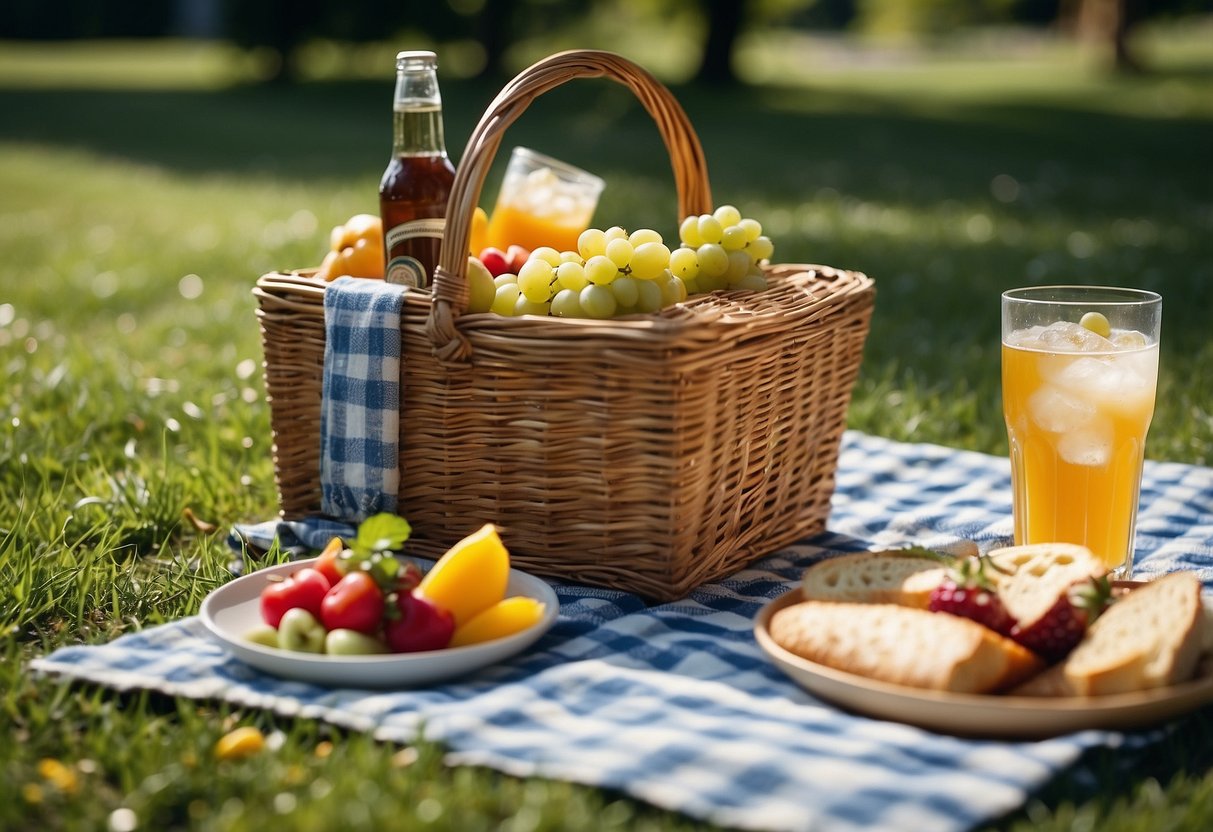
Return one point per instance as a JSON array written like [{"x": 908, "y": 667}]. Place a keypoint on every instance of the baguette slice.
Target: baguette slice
[
  {"x": 1150, "y": 638},
  {"x": 1029, "y": 579},
  {"x": 874, "y": 578},
  {"x": 903, "y": 645}
]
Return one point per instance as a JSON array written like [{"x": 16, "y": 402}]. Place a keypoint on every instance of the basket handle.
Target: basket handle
[{"x": 450, "y": 292}]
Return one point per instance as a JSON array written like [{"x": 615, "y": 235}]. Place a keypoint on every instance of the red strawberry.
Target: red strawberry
[
  {"x": 1053, "y": 635},
  {"x": 968, "y": 593}
]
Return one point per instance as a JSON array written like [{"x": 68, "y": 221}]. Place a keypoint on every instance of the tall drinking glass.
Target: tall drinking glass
[{"x": 1079, "y": 372}]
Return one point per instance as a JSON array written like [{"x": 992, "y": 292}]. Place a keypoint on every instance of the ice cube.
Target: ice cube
[
  {"x": 1067, "y": 336},
  {"x": 1026, "y": 339},
  {"x": 1128, "y": 339},
  {"x": 1090, "y": 445},
  {"x": 1099, "y": 377},
  {"x": 1058, "y": 412}
]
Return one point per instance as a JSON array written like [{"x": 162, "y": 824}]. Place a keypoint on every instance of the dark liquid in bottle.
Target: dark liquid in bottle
[{"x": 414, "y": 188}]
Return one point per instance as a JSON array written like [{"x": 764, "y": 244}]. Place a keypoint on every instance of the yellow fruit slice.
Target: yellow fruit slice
[
  {"x": 480, "y": 232},
  {"x": 470, "y": 577},
  {"x": 506, "y": 617}
]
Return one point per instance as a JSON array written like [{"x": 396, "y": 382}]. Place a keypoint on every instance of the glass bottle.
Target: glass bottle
[{"x": 414, "y": 190}]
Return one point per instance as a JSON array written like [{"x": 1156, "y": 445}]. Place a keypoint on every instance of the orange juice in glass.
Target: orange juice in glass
[
  {"x": 542, "y": 202},
  {"x": 1079, "y": 371}
]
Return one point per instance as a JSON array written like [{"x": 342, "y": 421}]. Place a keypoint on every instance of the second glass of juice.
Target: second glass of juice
[
  {"x": 542, "y": 202},
  {"x": 1079, "y": 372}
]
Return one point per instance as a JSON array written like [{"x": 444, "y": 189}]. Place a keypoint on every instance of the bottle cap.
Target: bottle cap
[{"x": 416, "y": 60}]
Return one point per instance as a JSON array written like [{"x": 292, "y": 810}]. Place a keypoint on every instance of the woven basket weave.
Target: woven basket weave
[{"x": 652, "y": 453}]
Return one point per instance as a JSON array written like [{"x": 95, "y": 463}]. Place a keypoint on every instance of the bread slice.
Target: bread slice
[
  {"x": 895, "y": 577},
  {"x": 1150, "y": 638},
  {"x": 1029, "y": 579},
  {"x": 903, "y": 645}
]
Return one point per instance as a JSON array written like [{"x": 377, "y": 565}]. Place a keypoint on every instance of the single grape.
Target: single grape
[
  {"x": 615, "y": 232},
  {"x": 673, "y": 290},
  {"x": 688, "y": 232},
  {"x": 571, "y": 276},
  {"x": 733, "y": 238},
  {"x": 620, "y": 251},
  {"x": 535, "y": 280},
  {"x": 626, "y": 290},
  {"x": 502, "y": 279},
  {"x": 649, "y": 299},
  {"x": 752, "y": 229},
  {"x": 566, "y": 304},
  {"x": 649, "y": 260},
  {"x": 600, "y": 269},
  {"x": 727, "y": 215},
  {"x": 507, "y": 296},
  {"x": 598, "y": 301},
  {"x": 548, "y": 254},
  {"x": 756, "y": 281},
  {"x": 710, "y": 228},
  {"x": 761, "y": 248},
  {"x": 739, "y": 266},
  {"x": 571, "y": 257},
  {"x": 1096, "y": 322},
  {"x": 710, "y": 283},
  {"x": 643, "y": 235},
  {"x": 481, "y": 288},
  {"x": 713, "y": 260},
  {"x": 684, "y": 263},
  {"x": 591, "y": 242},
  {"x": 526, "y": 306}
]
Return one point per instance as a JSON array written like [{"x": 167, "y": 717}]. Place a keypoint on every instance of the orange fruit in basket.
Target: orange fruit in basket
[
  {"x": 364, "y": 258},
  {"x": 471, "y": 576},
  {"x": 356, "y": 227}
]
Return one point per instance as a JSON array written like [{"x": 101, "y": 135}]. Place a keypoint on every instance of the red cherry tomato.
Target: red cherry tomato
[
  {"x": 354, "y": 603},
  {"x": 304, "y": 589}
]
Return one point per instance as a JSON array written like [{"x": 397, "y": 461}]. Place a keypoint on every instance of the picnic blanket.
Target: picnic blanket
[{"x": 676, "y": 705}]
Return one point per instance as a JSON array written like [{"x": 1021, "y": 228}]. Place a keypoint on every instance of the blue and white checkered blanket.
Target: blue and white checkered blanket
[
  {"x": 360, "y": 414},
  {"x": 676, "y": 705}
]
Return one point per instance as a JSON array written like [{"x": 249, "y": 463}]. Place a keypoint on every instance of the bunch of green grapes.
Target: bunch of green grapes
[
  {"x": 612, "y": 273},
  {"x": 721, "y": 250},
  {"x": 615, "y": 273}
]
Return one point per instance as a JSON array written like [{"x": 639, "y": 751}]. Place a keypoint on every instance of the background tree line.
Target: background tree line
[{"x": 282, "y": 26}]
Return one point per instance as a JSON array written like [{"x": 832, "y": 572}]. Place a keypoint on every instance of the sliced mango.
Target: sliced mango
[
  {"x": 506, "y": 617},
  {"x": 470, "y": 577}
]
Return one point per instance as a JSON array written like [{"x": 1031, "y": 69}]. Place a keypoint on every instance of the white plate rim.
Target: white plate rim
[
  {"x": 977, "y": 715},
  {"x": 379, "y": 671}
]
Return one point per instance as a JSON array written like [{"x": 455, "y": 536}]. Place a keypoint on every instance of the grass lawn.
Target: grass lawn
[{"x": 141, "y": 196}]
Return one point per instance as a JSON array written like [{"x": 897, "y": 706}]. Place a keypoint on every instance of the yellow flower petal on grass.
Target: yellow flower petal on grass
[{"x": 239, "y": 744}]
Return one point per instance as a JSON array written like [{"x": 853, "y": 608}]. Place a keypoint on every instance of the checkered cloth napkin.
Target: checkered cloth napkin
[
  {"x": 360, "y": 413},
  {"x": 676, "y": 705}
]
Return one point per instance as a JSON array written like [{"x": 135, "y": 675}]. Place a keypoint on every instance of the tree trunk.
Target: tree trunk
[
  {"x": 1109, "y": 23},
  {"x": 725, "y": 18}
]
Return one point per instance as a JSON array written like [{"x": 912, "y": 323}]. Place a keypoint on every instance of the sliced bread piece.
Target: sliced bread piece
[
  {"x": 903, "y": 645},
  {"x": 1150, "y": 638},
  {"x": 896, "y": 577},
  {"x": 1029, "y": 579}
]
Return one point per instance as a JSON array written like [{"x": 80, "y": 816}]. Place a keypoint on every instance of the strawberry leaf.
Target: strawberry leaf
[{"x": 381, "y": 533}]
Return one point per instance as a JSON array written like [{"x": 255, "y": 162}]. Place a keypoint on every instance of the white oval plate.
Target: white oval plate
[
  {"x": 974, "y": 715},
  {"x": 234, "y": 609}
]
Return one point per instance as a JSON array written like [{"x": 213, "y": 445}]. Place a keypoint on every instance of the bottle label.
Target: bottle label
[{"x": 404, "y": 269}]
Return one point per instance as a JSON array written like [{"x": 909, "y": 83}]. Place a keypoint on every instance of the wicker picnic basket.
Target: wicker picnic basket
[{"x": 651, "y": 453}]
